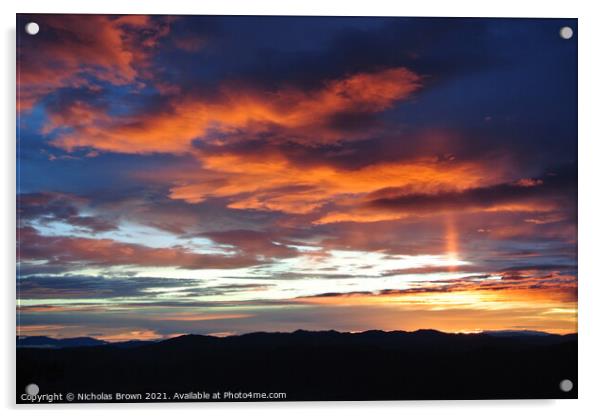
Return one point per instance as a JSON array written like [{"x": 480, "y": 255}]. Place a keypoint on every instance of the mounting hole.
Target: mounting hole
[
  {"x": 32, "y": 28},
  {"x": 566, "y": 385},
  {"x": 32, "y": 389},
  {"x": 566, "y": 32}
]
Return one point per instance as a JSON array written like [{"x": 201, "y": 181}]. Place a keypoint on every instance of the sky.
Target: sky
[{"x": 223, "y": 175}]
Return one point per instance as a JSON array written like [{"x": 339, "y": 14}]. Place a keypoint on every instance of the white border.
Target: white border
[{"x": 590, "y": 138}]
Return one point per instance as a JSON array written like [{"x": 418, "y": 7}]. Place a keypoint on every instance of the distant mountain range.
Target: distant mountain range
[
  {"x": 309, "y": 365},
  {"x": 423, "y": 334},
  {"x": 48, "y": 342}
]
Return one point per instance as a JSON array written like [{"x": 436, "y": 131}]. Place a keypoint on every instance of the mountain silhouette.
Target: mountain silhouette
[
  {"x": 312, "y": 365},
  {"x": 47, "y": 342}
]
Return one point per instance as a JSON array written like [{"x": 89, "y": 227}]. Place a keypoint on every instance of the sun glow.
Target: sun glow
[{"x": 451, "y": 242}]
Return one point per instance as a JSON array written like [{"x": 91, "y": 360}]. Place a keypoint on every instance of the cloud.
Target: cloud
[
  {"x": 202, "y": 317},
  {"x": 274, "y": 183},
  {"x": 288, "y": 113},
  {"x": 258, "y": 243},
  {"x": 525, "y": 286},
  {"x": 84, "y": 50},
  {"x": 93, "y": 287},
  {"x": 117, "y": 334},
  {"x": 76, "y": 251},
  {"x": 145, "y": 289},
  {"x": 554, "y": 193},
  {"x": 47, "y": 207},
  {"x": 484, "y": 198}
]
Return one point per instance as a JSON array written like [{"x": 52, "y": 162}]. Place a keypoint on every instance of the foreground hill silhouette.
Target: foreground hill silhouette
[{"x": 324, "y": 365}]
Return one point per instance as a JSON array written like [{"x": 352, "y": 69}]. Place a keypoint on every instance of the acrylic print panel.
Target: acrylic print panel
[{"x": 254, "y": 208}]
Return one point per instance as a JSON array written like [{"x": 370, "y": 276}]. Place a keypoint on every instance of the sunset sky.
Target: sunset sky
[{"x": 223, "y": 175}]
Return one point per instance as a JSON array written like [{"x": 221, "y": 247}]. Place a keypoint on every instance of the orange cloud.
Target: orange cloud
[
  {"x": 129, "y": 335},
  {"x": 108, "y": 48},
  {"x": 375, "y": 214},
  {"x": 271, "y": 182},
  {"x": 399, "y": 202},
  {"x": 298, "y": 115},
  {"x": 78, "y": 115}
]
